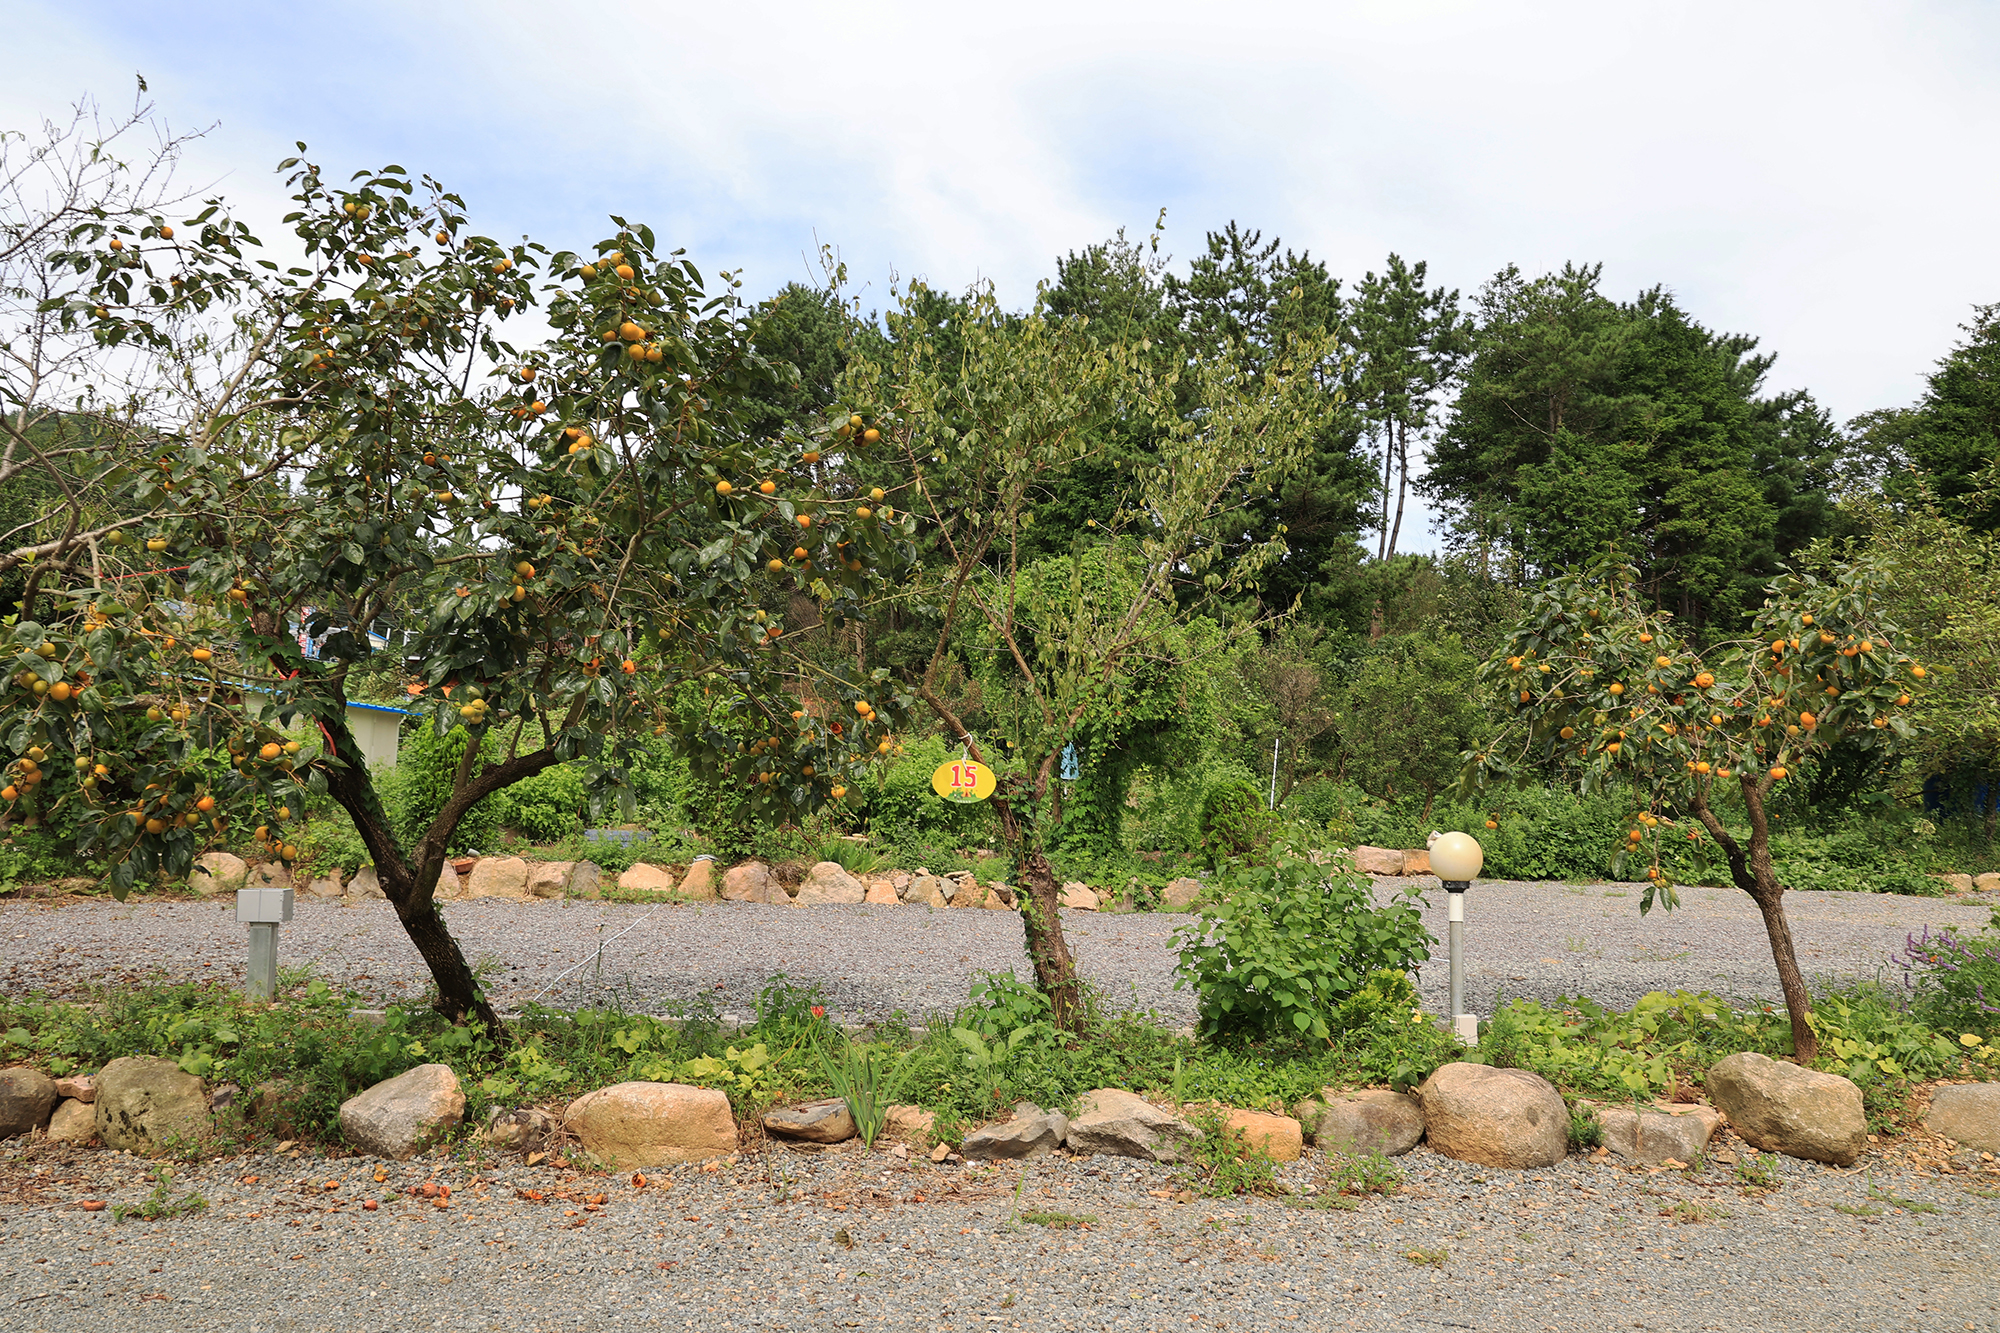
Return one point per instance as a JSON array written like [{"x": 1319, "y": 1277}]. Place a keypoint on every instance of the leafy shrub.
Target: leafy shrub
[
  {"x": 1315, "y": 804},
  {"x": 547, "y": 807},
  {"x": 416, "y": 789},
  {"x": 1234, "y": 822},
  {"x": 31, "y": 856},
  {"x": 904, "y": 809},
  {"x": 1285, "y": 947}
]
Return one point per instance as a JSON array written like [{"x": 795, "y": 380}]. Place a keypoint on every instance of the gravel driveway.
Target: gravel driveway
[
  {"x": 850, "y": 1239},
  {"x": 1537, "y": 940}
]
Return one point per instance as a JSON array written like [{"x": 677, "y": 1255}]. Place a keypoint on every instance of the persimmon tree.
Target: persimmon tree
[
  {"x": 986, "y": 429},
  {"x": 1596, "y": 683},
  {"x": 550, "y": 539}
]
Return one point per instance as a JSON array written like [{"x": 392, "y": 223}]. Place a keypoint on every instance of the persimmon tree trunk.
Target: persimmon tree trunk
[
  {"x": 409, "y": 879},
  {"x": 1750, "y": 870}
]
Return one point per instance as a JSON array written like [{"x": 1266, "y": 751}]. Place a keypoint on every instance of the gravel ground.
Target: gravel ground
[
  {"x": 1536, "y": 940},
  {"x": 850, "y": 1239}
]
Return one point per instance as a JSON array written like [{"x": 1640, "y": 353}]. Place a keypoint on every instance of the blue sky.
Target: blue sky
[{"x": 1817, "y": 174}]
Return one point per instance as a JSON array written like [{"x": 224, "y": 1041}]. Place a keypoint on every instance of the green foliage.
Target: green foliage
[
  {"x": 424, "y": 777},
  {"x": 1409, "y": 714},
  {"x": 1953, "y": 981},
  {"x": 856, "y": 858},
  {"x": 160, "y": 1204},
  {"x": 1282, "y": 950},
  {"x": 1670, "y": 1038},
  {"x": 546, "y": 807},
  {"x": 867, "y": 1079},
  {"x": 1585, "y": 421},
  {"x": 1223, "y": 1163},
  {"x": 1586, "y": 1130},
  {"x": 903, "y": 810},
  {"x": 1757, "y": 1171},
  {"x": 1369, "y": 1173},
  {"x": 1235, "y": 823}
]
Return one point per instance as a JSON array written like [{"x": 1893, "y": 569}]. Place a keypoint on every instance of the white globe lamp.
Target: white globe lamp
[{"x": 1455, "y": 859}]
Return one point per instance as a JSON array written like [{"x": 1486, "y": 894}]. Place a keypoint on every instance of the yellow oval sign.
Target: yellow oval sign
[{"x": 963, "y": 780}]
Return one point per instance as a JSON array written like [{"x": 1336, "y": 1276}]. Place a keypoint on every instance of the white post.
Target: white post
[{"x": 1274, "y": 772}]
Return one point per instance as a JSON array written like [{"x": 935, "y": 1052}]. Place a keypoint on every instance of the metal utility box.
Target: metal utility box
[{"x": 263, "y": 907}]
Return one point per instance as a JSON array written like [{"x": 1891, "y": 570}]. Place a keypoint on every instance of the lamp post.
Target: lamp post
[
  {"x": 1455, "y": 859},
  {"x": 263, "y": 910}
]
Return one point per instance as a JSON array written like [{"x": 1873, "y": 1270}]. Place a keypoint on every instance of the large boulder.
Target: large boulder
[
  {"x": 819, "y": 1122},
  {"x": 1123, "y": 1124},
  {"x": 1958, "y": 883},
  {"x": 586, "y": 879},
  {"x": 1374, "y": 1120},
  {"x": 1783, "y": 1108},
  {"x": 326, "y": 886},
  {"x": 449, "y": 887},
  {"x": 752, "y": 882},
  {"x": 147, "y": 1105},
  {"x": 1278, "y": 1137},
  {"x": 1507, "y": 1118},
  {"x": 1180, "y": 894},
  {"x": 1077, "y": 896},
  {"x": 1988, "y": 882},
  {"x": 828, "y": 883},
  {"x": 365, "y": 884},
  {"x": 74, "y": 1122},
  {"x": 698, "y": 885},
  {"x": 882, "y": 892},
  {"x": 1650, "y": 1135},
  {"x": 957, "y": 882},
  {"x": 642, "y": 877},
  {"x": 405, "y": 1115},
  {"x": 1968, "y": 1112},
  {"x": 924, "y": 890},
  {"x": 1377, "y": 860},
  {"x": 27, "y": 1098},
  {"x": 217, "y": 872},
  {"x": 1032, "y": 1132},
  {"x": 549, "y": 879},
  {"x": 653, "y": 1124},
  {"x": 1417, "y": 861}
]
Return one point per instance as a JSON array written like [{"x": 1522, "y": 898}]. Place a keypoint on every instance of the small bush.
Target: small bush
[
  {"x": 1234, "y": 823},
  {"x": 1282, "y": 951},
  {"x": 548, "y": 807}
]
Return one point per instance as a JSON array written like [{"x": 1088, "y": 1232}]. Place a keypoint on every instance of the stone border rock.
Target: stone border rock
[{"x": 517, "y": 879}]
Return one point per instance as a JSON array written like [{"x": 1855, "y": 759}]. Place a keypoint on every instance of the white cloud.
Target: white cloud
[{"x": 1816, "y": 174}]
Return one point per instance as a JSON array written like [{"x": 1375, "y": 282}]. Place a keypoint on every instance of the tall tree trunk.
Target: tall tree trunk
[
  {"x": 1402, "y": 483},
  {"x": 1388, "y": 463},
  {"x": 1750, "y": 869}
]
